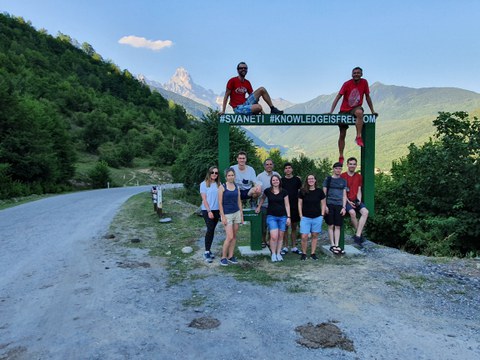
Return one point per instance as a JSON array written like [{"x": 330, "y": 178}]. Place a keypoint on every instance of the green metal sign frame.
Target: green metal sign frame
[{"x": 367, "y": 155}]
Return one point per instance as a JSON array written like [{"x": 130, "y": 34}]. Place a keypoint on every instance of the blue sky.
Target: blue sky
[{"x": 297, "y": 49}]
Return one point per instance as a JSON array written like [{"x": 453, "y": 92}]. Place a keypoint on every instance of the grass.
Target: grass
[
  {"x": 137, "y": 219},
  {"x": 418, "y": 281},
  {"x": 195, "y": 300}
]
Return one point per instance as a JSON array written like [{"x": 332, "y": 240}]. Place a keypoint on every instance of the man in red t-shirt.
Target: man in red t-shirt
[
  {"x": 238, "y": 87},
  {"x": 353, "y": 91},
  {"x": 354, "y": 199}
]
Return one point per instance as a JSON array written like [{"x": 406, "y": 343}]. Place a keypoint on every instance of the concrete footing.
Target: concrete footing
[{"x": 349, "y": 251}]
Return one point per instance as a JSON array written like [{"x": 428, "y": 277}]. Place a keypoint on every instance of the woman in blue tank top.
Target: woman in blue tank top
[{"x": 231, "y": 214}]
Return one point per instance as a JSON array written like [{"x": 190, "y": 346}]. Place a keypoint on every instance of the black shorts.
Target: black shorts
[
  {"x": 334, "y": 217},
  {"x": 244, "y": 194},
  {"x": 351, "y": 112}
]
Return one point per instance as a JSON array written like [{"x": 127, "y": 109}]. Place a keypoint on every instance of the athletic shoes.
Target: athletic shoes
[
  {"x": 233, "y": 260},
  {"x": 303, "y": 257},
  {"x": 313, "y": 257},
  {"x": 207, "y": 257},
  {"x": 274, "y": 110},
  {"x": 279, "y": 257},
  {"x": 359, "y": 141},
  {"x": 274, "y": 258},
  {"x": 341, "y": 159},
  {"x": 357, "y": 240},
  {"x": 297, "y": 251},
  {"x": 212, "y": 255},
  {"x": 224, "y": 262},
  {"x": 284, "y": 251}
]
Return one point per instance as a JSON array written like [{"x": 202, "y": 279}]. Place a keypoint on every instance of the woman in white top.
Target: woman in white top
[{"x": 210, "y": 212}]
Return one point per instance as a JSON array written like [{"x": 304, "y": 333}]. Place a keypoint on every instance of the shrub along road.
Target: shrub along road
[{"x": 66, "y": 292}]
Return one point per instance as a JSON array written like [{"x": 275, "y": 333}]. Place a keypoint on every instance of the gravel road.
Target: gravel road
[{"x": 68, "y": 293}]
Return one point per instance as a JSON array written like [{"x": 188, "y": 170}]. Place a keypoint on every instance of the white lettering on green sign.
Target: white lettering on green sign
[{"x": 293, "y": 119}]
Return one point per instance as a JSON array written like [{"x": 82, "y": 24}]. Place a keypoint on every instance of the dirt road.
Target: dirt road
[{"x": 68, "y": 293}]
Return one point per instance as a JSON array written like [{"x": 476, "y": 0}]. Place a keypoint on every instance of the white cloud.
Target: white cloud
[{"x": 141, "y": 42}]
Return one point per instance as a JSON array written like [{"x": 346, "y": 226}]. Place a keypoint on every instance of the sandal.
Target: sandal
[
  {"x": 332, "y": 249},
  {"x": 338, "y": 250}
]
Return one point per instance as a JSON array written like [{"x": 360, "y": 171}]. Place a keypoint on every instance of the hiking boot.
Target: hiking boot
[
  {"x": 303, "y": 257},
  {"x": 313, "y": 257},
  {"x": 233, "y": 260},
  {"x": 224, "y": 262},
  {"x": 359, "y": 141},
  {"x": 207, "y": 257},
  {"x": 212, "y": 255},
  {"x": 274, "y": 110}
]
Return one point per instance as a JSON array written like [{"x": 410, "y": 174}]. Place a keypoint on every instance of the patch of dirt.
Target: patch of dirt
[
  {"x": 132, "y": 264},
  {"x": 324, "y": 335},
  {"x": 204, "y": 323}
]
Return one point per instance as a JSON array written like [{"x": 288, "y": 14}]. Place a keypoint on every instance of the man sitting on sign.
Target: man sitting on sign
[
  {"x": 238, "y": 87},
  {"x": 353, "y": 92}
]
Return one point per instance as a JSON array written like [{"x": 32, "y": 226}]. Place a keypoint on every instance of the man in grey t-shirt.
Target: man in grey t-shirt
[
  {"x": 246, "y": 178},
  {"x": 335, "y": 188}
]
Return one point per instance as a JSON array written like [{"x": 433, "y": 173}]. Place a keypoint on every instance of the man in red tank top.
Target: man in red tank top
[
  {"x": 354, "y": 199},
  {"x": 353, "y": 92}
]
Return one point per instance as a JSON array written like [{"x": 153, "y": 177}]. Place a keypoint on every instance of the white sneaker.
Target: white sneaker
[
  {"x": 279, "y": 257},
  {"x": 274, "y": 258}
]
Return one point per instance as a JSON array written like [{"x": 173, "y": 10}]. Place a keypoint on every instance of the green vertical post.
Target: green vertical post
[
  {"x": 255, "y": 228},
  {"x": 368, "y": 167},
  {"x": 223, "y": 149}
]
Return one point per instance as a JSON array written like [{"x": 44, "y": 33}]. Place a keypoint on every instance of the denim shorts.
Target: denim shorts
[
  {"x": 311, "y": 225},
  {"x": 276, "y": 222},
  {"x": 357, "y": 209},
  {"x": 246, "y": 107}
]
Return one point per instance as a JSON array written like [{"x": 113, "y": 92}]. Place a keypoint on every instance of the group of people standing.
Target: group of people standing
[{"x": 283, "y": 202}]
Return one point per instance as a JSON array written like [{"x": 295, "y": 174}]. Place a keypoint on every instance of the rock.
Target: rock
[{"x": 187, "y": 250}]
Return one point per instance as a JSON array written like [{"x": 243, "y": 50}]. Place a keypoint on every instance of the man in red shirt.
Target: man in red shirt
[
  {"x": 354, "y": 199},
  {"x": 238, "y": 87},
  {"x": 352, "y": 91}
]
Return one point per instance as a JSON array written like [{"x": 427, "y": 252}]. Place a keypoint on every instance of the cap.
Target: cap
[{"x": 337, "y": 164}]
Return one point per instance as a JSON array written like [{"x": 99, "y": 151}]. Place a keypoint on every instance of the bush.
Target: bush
[
  {"x": 430, "y": 204},
  {"x": 100, "y": 176}
]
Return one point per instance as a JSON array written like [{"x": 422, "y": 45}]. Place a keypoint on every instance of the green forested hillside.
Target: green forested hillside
[
  {"x": 406, "y": 116},
  {"x": 59, "y": 98}
]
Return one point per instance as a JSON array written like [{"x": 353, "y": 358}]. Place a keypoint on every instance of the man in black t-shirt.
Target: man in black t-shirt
[{"x": 292, "y": 184}]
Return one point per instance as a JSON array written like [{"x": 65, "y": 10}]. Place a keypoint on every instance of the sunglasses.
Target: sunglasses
[
  {"x": 214, "y": 172},
  {"x": 242, "y": 68}
]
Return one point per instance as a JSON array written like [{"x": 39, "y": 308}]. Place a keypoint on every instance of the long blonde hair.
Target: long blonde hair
[{"x": 208, "y": 178}]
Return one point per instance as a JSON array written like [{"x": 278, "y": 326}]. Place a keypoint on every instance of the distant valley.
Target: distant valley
[{"x": 405, "y": 117}]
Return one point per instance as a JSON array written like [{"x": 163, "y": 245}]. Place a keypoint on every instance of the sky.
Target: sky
[{"x": 296, "y": 49}]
